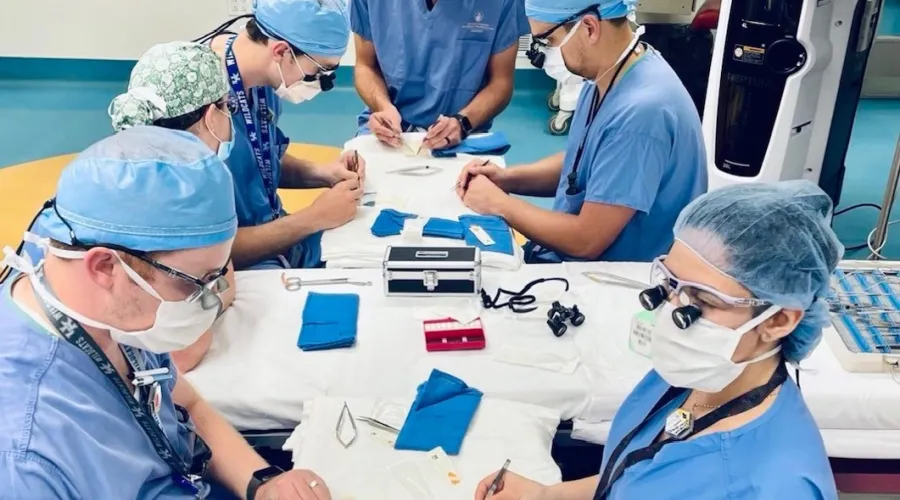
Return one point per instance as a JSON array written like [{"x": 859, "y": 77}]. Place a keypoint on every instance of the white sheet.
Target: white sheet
[
  {"x": 354, "y": 246},
  {"x": 839, "y": 400},
  {"x": 256, "y": 375},
  {"x": 500, "y": 430},
  {"x": 839, "y": 443}
]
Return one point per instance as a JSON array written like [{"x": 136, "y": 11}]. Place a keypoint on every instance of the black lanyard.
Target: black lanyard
[
  {"x": 738, "y": 405},
  {"x": 596, "y": 102},
  {"x": 75, "y": 334}
]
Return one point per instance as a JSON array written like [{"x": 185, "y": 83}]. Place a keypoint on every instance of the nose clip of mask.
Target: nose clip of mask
[
  {"x": 559, "y": 314},
  {"x": 535, "y": 55},
  {"x": 685, "y": 316},
  {"x": 652, "y": 298}
]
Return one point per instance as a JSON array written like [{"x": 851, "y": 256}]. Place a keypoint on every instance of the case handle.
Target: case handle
[{"x": 432, "y": 254}]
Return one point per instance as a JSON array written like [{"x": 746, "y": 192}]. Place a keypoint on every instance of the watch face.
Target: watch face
[{"x": 264, "y": 475}]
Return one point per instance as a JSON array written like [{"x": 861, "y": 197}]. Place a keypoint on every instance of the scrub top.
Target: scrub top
[
  {"x": 780, "y": 454},
  {"x": 435, "y": 61},
  {"x": 251, "y": 197},
  {"x": 65, "y": 431},
  {"x": 644, "y": 151}
]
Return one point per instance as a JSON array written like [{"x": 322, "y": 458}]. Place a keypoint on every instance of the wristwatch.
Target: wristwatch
[
  {"x": 464, "y": 124},
  {"x": 261, "y": 477}
]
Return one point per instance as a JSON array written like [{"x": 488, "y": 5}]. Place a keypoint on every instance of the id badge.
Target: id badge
[{"x": 641, "y": 333}]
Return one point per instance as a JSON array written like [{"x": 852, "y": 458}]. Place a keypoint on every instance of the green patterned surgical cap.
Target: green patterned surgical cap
[{"x": 171, "y": 79}]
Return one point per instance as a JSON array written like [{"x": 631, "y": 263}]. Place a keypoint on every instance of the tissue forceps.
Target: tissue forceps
[
  {"x": 416, "y": 171},
  {"x": 605, "y": 278},
  {"x": 379, "y": 425},
  {"x": 293, "y": 284},
  {"x": 340, "y": 425}
]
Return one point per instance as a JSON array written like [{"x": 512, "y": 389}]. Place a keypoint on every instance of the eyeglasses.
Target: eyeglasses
[
  {"x": 539, "y": 43},
  {"x": 695, "y": 294},
  {"x": 228, "y": 104},
  {"x": 325, "y": 76},
  {"x": 208, "y": 287}
]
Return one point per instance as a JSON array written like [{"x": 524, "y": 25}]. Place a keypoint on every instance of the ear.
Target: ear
[
  {"x": 279, "y": 49},
  {"x": 99, "y": 265},
  {"x": 591, "y": 26},
  {"x": 780, "y": 325}
]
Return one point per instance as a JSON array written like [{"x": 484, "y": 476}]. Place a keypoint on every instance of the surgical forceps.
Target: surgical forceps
[
  {"x": 605, "y": 278},
  {"x": 379, "y": 425},
  {"x": 293, "y": 284},
  {"x": 340, "y": 424},
  {"x": 416, "y": 171}
]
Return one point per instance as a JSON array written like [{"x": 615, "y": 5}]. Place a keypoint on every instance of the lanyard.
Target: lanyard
[
  {"x": 740, "y": 404},
  {"x": 596, "y": 102},
  {"x": 75, "y": 334},
  {"x": 259, "y": 136}
]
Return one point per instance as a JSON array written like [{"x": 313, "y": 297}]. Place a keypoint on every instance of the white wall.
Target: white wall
[
  {"x": 125, "y": 29},
  {"x": 106, "y": 29}
]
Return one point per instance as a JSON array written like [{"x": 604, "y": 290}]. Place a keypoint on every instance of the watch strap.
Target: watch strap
[
  {"x": 260, "y": 478},
  {"x": 465, "y": 125}
]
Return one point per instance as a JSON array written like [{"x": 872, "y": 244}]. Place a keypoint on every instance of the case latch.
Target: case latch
[{"x": 430, "y": 280}]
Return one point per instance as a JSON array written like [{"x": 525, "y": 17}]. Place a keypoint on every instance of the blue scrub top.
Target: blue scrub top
[
  {"x": 780, "y": 454},
  {"x": 434, "y": 62},
  {"x": 251, "y": 198},
  {"x": 65, "y": 431},
  {"x": 644, "y": 151}
]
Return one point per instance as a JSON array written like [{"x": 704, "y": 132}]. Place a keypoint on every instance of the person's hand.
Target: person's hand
[
  {"x": 350, "y": 166},
  {"x": 294, "y": 485},
  {"x": 479, "y": 167},
  {"x": 483, "y": 196},
  {"x": 385, "y": 124},
  {"x": 446, "y": 132},
  {"x": 338, "y": 205},
  {"x": 512, "y": 487}
]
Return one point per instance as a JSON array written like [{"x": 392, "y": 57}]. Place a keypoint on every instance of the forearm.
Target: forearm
[
  {"x": 370, "y": 86},
  {"x": 490, "y": 102},
  {"x": 233, "y": 460},
  {"x": 256, "y": 243},
  {"x": 583, "y": 489},
  {"x": 297, "y": 173},
  {"x": 537, "y": 179},
  {"x": 558, "y": 231}
]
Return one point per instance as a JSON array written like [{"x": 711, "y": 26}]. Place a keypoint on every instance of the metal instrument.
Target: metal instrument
[
  {"x": 379, "y": 425},
  {"x": 416, "y": 171},
  {"x": 605, "y": 278},
  {"x": 293, "y": 284},
  {"x": 338, "y": 428}
]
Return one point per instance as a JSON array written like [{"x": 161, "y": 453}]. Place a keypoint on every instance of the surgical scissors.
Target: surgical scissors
[
  {"x": 605, "y": 278},
  {"x": 418, "y": 170},
  {"x": 293, "y": 284}
]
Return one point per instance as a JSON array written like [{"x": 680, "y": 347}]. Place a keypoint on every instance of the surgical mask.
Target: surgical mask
[
  {"x": 178, "y": 324},
  {"x": 555, "y": 64},
  {"x": 300, "y": 91},
  {"x": 225, "y": 147},
  {"x": 700, "y": 356}
]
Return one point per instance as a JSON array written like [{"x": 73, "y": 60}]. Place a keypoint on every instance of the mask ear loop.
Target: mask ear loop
[{"x": 7, "y": 268}]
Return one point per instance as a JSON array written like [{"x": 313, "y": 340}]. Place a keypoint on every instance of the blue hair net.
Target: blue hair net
[
  {"x": 774, "y": 239},
  {"x": 557, "y": 11},
  {"x": 317, "y": 27},
  {"x": 146, "y": 189}
]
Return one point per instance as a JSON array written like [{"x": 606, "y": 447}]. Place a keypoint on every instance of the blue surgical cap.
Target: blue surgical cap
[
  {"x": 146, "y": 189},
  {"x": 317, "y": 27},
  {"x": 775, "y": 240},
  {"x": 557, "y": 11}
]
